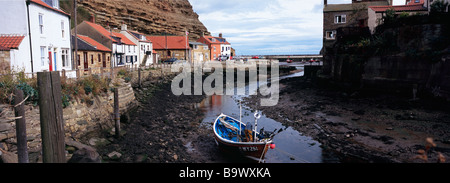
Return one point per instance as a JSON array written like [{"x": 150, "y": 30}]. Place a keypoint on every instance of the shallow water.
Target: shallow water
[{"x": 291, "y": 145}]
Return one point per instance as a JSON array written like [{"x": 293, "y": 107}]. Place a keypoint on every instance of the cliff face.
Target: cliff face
[{"x": 146, "y": 16}]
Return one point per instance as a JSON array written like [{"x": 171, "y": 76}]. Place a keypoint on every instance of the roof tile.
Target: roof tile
[
  {"x": 415, "y": 7},
  {"x": 173, "y": 42},
  {"x": 40, "y": 2},
  {"x": 94, "y": 43},
  {"x": 11, "y": 41}
]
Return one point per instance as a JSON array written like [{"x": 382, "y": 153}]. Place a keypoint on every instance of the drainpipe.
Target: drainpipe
[{"x": 29, "y": 36}]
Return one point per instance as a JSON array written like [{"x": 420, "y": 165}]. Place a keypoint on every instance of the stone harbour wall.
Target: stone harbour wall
[{"x": 79, "y": 118}]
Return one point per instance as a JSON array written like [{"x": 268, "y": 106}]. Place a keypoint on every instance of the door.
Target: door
[
  {"x": 104, "y": 59},
  {"x": 50, "y": 61},
  {"x": 54, "y": 58},
  {"x": 86, "y": 62}
]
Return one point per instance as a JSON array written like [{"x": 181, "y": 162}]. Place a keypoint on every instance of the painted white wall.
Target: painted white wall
[
  {"x": 52, "y": 38},
  {"x": 20, "y": 58},
  {"x": 14, "y": 20},
  {"x": 225, "y": 49},
  {"x": 13, "y": 17},
  {"x": 140, "y": 52}
]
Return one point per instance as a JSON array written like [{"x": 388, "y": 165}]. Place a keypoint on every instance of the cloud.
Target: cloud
[{"x": 265, "y": 26}]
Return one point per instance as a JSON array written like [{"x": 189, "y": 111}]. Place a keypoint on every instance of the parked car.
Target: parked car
[
  {"x": 255, "y": 57},
  {"x": 170, "y": 61},
  {"x": 289, "y": 61},
  {"x": 222, "y": 58}
]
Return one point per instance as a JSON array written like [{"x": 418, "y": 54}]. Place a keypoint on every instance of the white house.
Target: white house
[
  {"x": 144, "y": 46},
  {"x": 130, "y": 50},
  {"x": 46, "y": 30},
  {"x": 225, "y": 50}
]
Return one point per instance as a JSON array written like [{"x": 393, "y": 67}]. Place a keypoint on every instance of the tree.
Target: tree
[{"x": 389, "y": 16}]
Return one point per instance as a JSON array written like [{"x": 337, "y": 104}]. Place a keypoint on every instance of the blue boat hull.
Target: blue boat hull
[{"x": 227, "y": 140}]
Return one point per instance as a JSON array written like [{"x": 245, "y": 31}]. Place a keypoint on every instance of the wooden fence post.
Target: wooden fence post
[
  {"x": 51, "y": 116},
  {"x": 63, "y": 73},
  {"x": 139, "y": 77},
  {"x": 116, "y": 112},
  {"x": 21, "y": 129}
]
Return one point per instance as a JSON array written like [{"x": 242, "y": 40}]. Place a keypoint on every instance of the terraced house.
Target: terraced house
[
  {"x": 124, "y": 51},
  {"x": 145, "y": 47},
  {"x": 219, "y": 47},
  {"x": 44, "y": 29},
  {"x": 92, "y": 57}
]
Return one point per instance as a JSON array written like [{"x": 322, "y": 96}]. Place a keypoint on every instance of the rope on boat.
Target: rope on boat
[{"x": 262, "y": 154}]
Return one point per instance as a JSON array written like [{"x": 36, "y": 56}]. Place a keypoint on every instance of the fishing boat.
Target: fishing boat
[{"x": 233, "y": 136}]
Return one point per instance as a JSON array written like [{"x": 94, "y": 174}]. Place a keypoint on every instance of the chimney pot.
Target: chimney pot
[
  {"x": 325, "y": 2},
  {"x": 220, "y": 35}
]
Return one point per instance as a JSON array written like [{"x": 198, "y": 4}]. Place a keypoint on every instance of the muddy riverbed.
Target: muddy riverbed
[
  {"x": 321, "y": 124},
  {"x": 362, "y": 126}
]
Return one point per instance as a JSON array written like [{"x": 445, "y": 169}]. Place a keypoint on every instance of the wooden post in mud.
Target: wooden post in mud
[
  {"x": 21, "y": 129},
  {"x": 116, "y": 112},
  {"x": 51, "y": 116},
  {"x": 139, "y": 77}
]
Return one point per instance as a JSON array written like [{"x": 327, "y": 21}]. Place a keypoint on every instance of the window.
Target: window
[
  {"x": 340, "y": 19},
  {"x": 330, "y": 34},
  {"x": 62, "y": 29},
  {"x": 41, "y": 23},
  {"x": 417, "y": 1},
  {"x": 214, "y": 50},
  {"x": 43, "y": 55},
  {"x": 65, "y": 57},
  {"x": 99, "y": 58},
  {"x": 195, "y": 47}
]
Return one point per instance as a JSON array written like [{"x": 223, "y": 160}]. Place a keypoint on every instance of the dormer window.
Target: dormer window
[{"x": 52, "y": 3}]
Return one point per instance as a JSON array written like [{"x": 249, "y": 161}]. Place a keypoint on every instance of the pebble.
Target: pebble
[{"x": 114, "y": 155}]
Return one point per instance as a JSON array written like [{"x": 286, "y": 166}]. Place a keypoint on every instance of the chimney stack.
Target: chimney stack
[
  {"x": 92, "y": 18},
  {"x": 124, "y": 27},
  {"x": 220, "y": 35}
]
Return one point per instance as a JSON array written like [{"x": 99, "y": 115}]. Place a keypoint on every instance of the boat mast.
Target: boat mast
[
  {"x": 240, "y": 120},
  {"x": 257, "y": 116}
]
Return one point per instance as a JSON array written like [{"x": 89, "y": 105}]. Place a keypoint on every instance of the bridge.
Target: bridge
[{"x": 295, "y": 58}]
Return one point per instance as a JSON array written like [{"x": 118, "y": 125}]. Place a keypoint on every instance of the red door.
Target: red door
[{"x": 50, "y": 61}]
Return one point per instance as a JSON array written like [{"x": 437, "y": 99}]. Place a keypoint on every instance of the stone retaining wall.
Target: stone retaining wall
[{"x": 79, "y": 118}]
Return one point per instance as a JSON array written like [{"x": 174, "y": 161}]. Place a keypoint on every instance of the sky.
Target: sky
[{"x": 267, "y": 27}]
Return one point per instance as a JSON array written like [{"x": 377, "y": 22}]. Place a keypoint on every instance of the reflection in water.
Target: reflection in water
[{"x": 291, "y": 145}]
